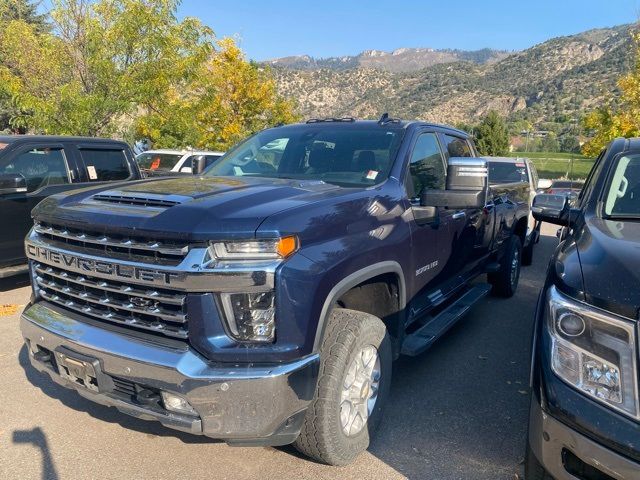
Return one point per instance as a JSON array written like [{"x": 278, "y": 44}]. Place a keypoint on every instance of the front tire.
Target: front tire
[
  {"x": 353, "y": 387},
  {"x": 505, "y": 280}
]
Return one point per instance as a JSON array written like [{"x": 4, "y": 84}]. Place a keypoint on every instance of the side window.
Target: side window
[
  {"x": 105, "y": 165},
  {"x": 426, "y": 168},
  {"x": 40, "y": 167},
  {"x": 457, "y": 147},
  {"x": 211, "y": 159}
]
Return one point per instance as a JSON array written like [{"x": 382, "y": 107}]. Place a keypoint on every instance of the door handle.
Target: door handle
[{"x": 460, "y": 214}]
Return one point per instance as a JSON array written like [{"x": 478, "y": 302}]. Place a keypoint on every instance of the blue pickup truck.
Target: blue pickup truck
[{"x": 263, "y": 302}]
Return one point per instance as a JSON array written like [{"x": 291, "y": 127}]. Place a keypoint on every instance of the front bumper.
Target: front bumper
[
  {"x": 244, "y": 404},
  {"x": 551, "y": 440}
]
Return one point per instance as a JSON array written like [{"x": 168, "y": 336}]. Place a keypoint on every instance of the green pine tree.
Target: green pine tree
[{"x": 492, "y": 136}]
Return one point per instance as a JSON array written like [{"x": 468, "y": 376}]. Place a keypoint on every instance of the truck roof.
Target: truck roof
[
  {"x": 391, "y": 123},
  {"x": 53, "y": 138}
]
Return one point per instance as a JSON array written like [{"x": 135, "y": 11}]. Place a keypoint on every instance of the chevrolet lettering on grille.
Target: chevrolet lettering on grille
[{"x": 113, "y": 270}]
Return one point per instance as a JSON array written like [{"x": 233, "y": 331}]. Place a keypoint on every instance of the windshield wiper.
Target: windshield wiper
[{"x": 620, "y": 216}]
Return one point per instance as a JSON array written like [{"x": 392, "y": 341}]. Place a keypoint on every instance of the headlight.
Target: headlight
[
  {"x": 594, "y": 351},
  {"x": 256, "y": 249},
  {"x": 250, "y": 316}
]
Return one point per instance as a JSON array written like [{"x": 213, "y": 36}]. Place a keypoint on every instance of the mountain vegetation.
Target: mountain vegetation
[
  {"x": 620, "y": 115},
  {"x": 550, "y": 86}
]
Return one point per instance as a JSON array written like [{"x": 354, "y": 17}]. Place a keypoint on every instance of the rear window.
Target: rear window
[
  {"x": 506, "y": 172},
  {"x": 158, "y": 161},
  {"x": 457, "y": 147},
  {"x": 105, "y": 165}
]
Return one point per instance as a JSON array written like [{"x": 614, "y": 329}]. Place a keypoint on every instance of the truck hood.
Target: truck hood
[
  {"x": 610, "y": 259},
  {"x": 190, "y": 207}
]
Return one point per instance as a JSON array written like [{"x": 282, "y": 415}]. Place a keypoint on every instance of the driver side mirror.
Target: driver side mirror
[
  {"x": 198, "y": 164},
  {"x": 467, "y": 185},
  {"x": 551, "y": 208},
  {"x": 12, "y": 183}
]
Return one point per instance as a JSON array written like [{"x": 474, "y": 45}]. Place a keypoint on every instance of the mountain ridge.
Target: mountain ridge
[
  {"x": 561, "y": 77},
  {"x": 405, "y": 59}
]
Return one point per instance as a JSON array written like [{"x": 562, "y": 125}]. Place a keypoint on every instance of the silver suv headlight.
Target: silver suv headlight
[{"x": 594, "y": 351}]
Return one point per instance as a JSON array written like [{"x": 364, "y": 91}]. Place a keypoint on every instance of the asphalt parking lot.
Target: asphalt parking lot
[{"x": 459, "y": 411}]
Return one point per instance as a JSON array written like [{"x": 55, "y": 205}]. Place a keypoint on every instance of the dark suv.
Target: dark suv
[
  {"x": 585, "y": 410},
  {"x": 34, "y": 167}
]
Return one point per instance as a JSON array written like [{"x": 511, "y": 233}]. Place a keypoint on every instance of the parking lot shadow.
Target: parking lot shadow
[
  {"x": 37, "y": 438},
  {"x": 11, "y": 283},
  {"x": 73, "y": 400}
]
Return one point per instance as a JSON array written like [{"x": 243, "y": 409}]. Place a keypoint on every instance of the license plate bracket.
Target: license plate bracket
[{"x": 78, "y": 369}]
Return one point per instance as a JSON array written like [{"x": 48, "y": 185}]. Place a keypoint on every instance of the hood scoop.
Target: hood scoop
[{"x": 140, "y": 200}]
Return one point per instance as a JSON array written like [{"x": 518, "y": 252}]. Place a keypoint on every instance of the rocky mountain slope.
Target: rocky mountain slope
[
  {"x": 562, "y": 77},
  {"x": 400, "y": 60}
]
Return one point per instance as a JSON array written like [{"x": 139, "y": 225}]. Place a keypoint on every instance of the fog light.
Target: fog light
[{"x": 176, "y": 403}]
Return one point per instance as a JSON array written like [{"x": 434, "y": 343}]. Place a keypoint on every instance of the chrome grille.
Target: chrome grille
[
  {"x": 148, "y": 309},
  {"x": 95, "y": 242}
]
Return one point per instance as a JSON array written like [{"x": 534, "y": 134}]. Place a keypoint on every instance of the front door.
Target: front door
[
  {"x": 46, "y": 171},
  {"x": 430, "y": 235}
]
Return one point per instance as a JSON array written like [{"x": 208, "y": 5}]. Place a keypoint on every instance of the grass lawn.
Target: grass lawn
[{"x": 554, "y": 165}]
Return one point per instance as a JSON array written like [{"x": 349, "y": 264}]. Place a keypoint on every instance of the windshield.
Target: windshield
[
  {"x": 158, "y": 161},
  {"x": 503, "y": 172},
  {"x": 344, "y": 155},
  {"x": 623, "y": 197}
]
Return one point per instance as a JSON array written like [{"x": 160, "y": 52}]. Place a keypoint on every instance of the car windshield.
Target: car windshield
[
  {"x": 507, "y": 172},
  {"x": 623, "y": 195},
  {"x": 345, "y": 155},
  {"x": 158, "y": 161}
]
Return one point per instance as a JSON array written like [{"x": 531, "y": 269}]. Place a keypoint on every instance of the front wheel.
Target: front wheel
[
  {"x": 505, "y": 280},
  {"x": 353, "y": 386}
]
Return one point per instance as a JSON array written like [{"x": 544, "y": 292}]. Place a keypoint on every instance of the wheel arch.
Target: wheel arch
[{"x": 353, "y": 280}]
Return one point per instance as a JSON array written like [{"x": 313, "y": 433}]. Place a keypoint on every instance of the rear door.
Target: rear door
[
  {"x": 48, "y": 169},
  {"x": 467, "y": 226},
  {"x": 103, "y": 162}
]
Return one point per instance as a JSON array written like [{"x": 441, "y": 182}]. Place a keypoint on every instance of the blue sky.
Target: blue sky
[{"x": 276, "y": 28}]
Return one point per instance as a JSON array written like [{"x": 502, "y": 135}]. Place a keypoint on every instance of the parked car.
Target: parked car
[
  {"x": 34, "y": 167},
  {"x": 503, "y": 170},
  {"x": 264, "y": 304},
  {"x": 169, "y": 162},
  {"x": 585, "y": 412},
  {"x": 565, "y": 187}
]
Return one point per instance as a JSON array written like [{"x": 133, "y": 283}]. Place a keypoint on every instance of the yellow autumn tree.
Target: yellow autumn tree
[
  {"x": 621, "y": 116},
  {"x": 110, "y": 67},
  {"x": 227, "y": 100}
]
